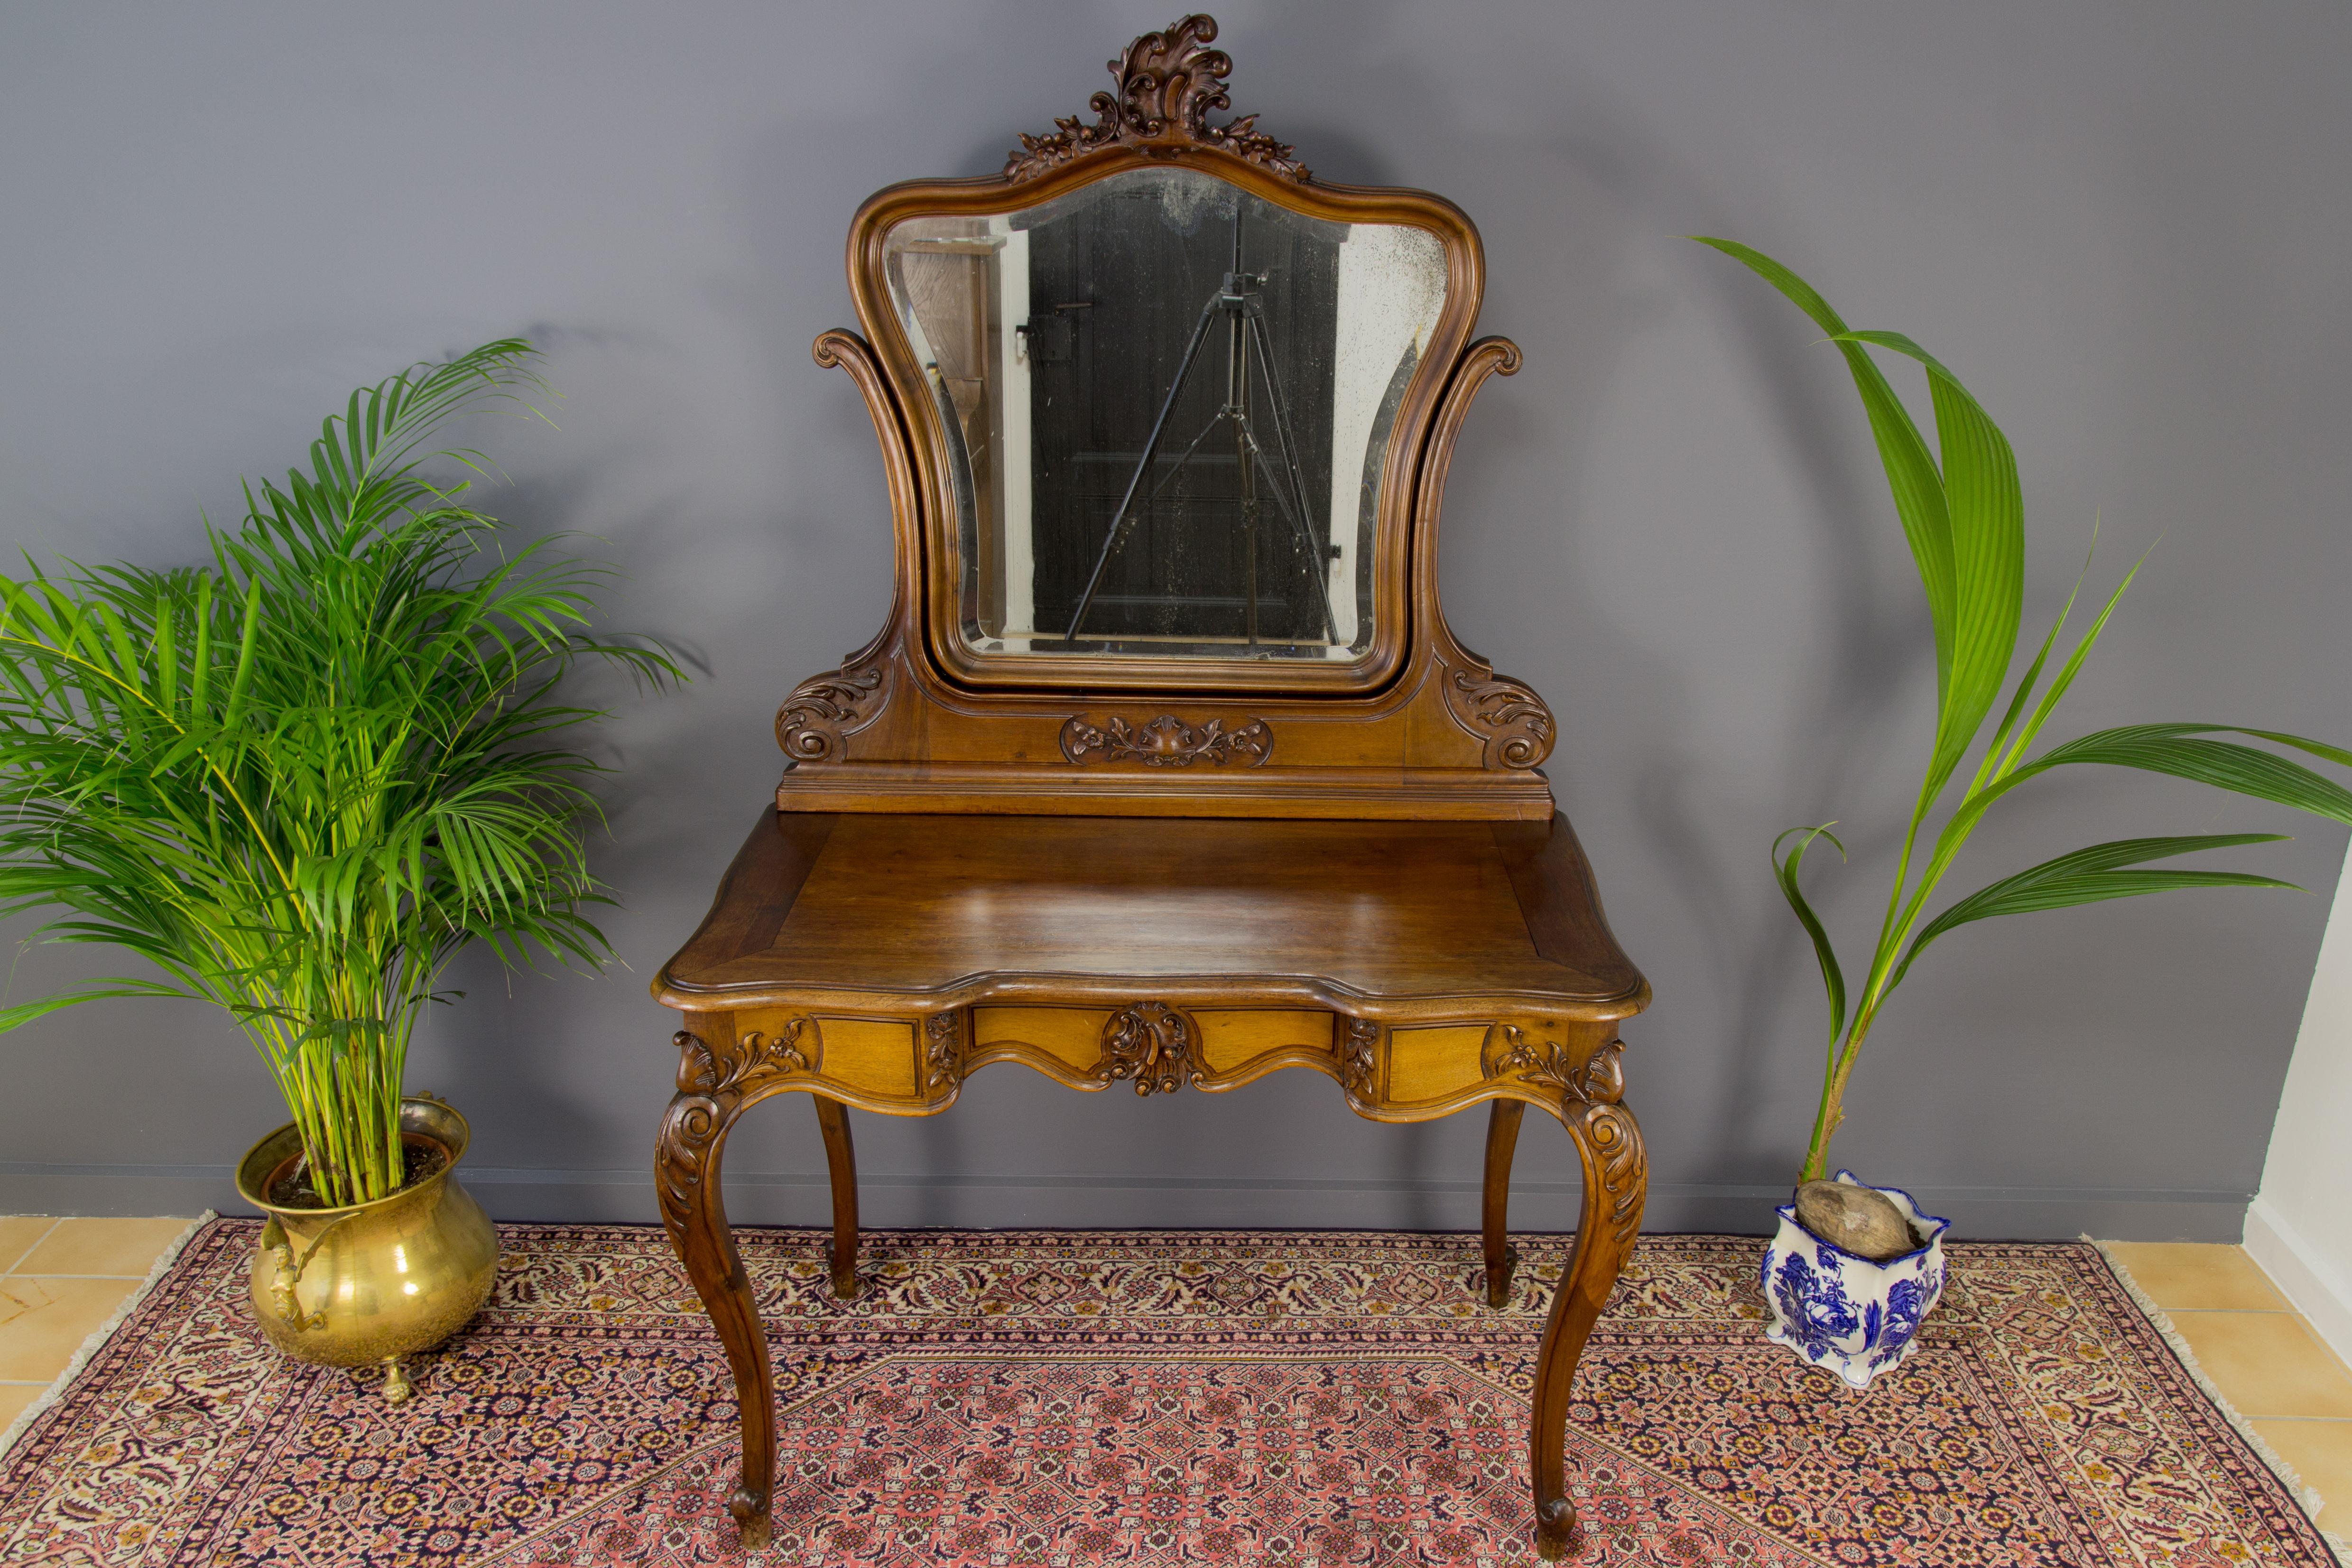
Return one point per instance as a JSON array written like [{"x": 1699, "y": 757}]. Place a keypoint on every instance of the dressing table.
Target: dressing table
[{"x": 1166, "y": 770}]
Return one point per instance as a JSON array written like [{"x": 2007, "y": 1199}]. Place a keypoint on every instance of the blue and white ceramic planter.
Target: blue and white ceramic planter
[{"x": 1850, "y": 1315}]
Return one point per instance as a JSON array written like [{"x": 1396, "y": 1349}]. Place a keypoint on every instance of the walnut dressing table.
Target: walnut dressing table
[{"x": 1166, "y": 770}]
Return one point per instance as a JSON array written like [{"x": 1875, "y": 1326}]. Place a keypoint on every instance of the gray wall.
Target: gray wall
[{"x": 2124, "y": 223}]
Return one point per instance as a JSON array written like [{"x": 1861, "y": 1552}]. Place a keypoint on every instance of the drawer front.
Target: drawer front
[
  {"x": 1221, "y": 1046},
  {"x": 876, "y": 1056},
  {"x": 1233, "y": 1043},
  {"x": 1432, "y": 1062},
  {"x": 1071, "y": 1036}
]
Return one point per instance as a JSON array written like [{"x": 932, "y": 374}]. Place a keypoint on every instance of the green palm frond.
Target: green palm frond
[
  {"x": 300, "y": 780},
  {"x": 1964, "y": 519}
]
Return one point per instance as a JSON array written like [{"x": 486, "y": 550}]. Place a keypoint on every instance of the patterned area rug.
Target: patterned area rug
[{"x": 1059, "y": 1400}]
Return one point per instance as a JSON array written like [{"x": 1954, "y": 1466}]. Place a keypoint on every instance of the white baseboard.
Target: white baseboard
[{"x": 2318, "y": 1289}]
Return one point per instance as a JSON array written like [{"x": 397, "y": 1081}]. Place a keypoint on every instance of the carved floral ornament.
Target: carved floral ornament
[
  {"x": 792, "y": 1048},
  {"x": 1166, "y": 742},
  {"x": 942, "y": 1050},
  {"x": 1168, "y": 83},
  {"x": 1600, "y": 1079},
  {"x": 1153, "y": 1043},
  {"x": 1360, "y": 1058}
]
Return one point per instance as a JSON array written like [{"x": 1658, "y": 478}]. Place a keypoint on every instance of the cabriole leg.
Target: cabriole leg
[
  {"x": 1502, "y": 1139},
  {"x": 1616, "y": 1180},
  {"x": 686, "y": 1175},
  {"x": 841, "y": 1165}
]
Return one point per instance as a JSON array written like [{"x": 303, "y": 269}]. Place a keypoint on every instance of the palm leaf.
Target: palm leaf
[
  {"x": 1911, "y": 475},
  {"x": 1785, "y": 868},
  {"x": 300, "y": 781},
  {"x": 2091, "y": 876}
]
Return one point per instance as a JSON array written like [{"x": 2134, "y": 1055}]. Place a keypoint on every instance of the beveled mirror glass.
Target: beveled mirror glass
[{"x": 1168, "y": 405}]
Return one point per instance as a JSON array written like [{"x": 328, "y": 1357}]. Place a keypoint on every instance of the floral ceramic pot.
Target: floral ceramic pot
[{"x": 1853, "y": 1316}]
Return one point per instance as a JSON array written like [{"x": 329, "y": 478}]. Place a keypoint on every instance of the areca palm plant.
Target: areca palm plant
[
  {"x": 1964, "y": 519},
  {"x": 299, "y": 779}
]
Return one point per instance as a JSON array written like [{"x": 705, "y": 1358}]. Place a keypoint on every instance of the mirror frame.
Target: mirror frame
[
  {"x": 1057, "y": 165},
  {"x": 1421, "y": 727}
]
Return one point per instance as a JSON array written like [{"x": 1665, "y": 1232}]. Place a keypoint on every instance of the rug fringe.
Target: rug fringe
[
  {"x": 100, "y": 1334},
  {"x": 2307, "y": 1496}
]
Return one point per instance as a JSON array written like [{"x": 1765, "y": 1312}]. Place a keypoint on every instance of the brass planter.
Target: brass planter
[{"x": 371, "y": 1282}]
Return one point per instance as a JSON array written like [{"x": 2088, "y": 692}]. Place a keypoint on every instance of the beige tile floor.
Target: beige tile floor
[
  {"x": 60, "y": 1279},
  {"x": 2261, "y": 1355}
]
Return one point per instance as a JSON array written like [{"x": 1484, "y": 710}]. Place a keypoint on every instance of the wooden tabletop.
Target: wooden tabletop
[{"x": 972, "y": 908}]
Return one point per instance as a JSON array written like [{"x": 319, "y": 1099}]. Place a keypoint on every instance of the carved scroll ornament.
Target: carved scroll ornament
[
  {"x": 823, "y": 709},
  {"x": 1166, "y": 742},
  {"x": 711, "y": 1092},
  {"x": 1153, "y": 1043},
  {"x": 1512, "y": 721},
  {"x": 1168, "y": 83},
  {"x": 1591, "y": 1091}
]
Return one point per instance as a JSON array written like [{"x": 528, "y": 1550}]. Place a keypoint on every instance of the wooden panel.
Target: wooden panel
[
  {"x": 1429, "y": 1064},
  {"x": 1304, "y": 915},
  {"x": 1072, "y": 1036},
  {"x": 1228, "y": 1040},
  {"x": 874, "y": 1053},
  {"x": 787, "y": 1024}
]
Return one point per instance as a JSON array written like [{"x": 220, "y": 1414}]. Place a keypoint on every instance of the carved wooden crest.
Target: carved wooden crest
[
  {"x": 1166, "y": 742},
  {"x": 1168, "y": 83}
]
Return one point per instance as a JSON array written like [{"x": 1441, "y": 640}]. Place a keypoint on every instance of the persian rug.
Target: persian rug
[{"x": 1061, "y": 1400}]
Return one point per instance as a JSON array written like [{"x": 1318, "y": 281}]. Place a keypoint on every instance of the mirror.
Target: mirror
[{"x": 1166, "y": 406}]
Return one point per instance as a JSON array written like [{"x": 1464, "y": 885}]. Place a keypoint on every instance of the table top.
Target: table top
[{"x": 961, "y": 908}]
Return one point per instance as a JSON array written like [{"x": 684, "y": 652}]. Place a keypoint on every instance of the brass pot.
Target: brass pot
[{"x": 371, "y": 1282}]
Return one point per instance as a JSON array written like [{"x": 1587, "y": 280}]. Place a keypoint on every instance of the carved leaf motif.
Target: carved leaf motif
[
  {"x": 820, "y": 710},
  {"x": 1166, "y": 742},
  {"x": 1360, "y": 1058},
  {"x": 1512, "y": 720},
  {"x": 1600, "y": 1080},
  {"x": 706, "y": 1072},
  {"x": 943, "y": 1050},
  {"x": 1151, "y": 1043},
  {"x": 1168, "y": 83}
]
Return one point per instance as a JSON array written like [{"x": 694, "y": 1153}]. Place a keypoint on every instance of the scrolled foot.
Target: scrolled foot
[
  {"x": 1555, "y": 1529},
  {"x": 396, "y": 1386},
  {"x": 751, "y": 1518},
  {"x": 1498, "y": 1280}
]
